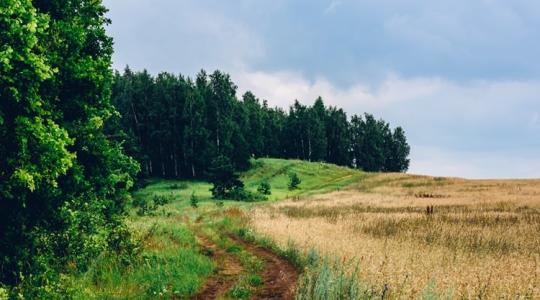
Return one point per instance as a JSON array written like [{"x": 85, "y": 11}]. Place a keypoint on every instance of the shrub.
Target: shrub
[
  {"x": 146, "y": 208},
  {"x": 294, "y": 181},
  {"x": 264, "y": 188},
  {"x": 160, "y": 200},
  {"x": 241, "y": 194},
  {"x": 194, "y": 201},
  {"x": 178, "y": 186},
  {"x": 139, "y": 202}
]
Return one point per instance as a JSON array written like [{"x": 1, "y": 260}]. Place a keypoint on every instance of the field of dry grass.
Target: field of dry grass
[{"x": 481, "y": 241}]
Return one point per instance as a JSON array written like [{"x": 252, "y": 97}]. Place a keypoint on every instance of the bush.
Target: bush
[
  {"x": 264, "y": 188},
  {"x": 178, "y": 186},
  {"x": 294, "y": 181},
  {"x": 241, "y": 194},
  {"x": 138, "y": 202},
  {"x": 194, "y": 201},
  {"x": 146, "y": 207},
  {"x": 160, "y": 200}
]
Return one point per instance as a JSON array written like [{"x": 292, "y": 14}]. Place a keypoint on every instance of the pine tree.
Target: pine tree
[
  {"x": 316, "y": 131},
  {"x": 338, "y": 135},
  {"x": 224, "y": 179}
]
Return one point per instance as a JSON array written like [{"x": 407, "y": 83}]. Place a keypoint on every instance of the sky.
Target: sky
[{"x": 462, "y": 77}]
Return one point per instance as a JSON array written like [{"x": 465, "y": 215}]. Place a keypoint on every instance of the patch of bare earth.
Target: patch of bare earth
[
  {"x": 227, "y": 271},
  {"x": 279, "y": 275}
]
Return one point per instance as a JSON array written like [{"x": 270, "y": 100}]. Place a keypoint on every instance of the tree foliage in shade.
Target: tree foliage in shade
[
  {"x": 225, "y": 181},
  {"x": 63, "y": 181},
  {"x": 294, "y": 181},
  {"x": 176, "y": 127}
]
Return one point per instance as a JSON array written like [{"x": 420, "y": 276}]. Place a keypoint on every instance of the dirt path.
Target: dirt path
[
  {"x": 279, "y": 275},
  {"x": 227, "y": 271}
]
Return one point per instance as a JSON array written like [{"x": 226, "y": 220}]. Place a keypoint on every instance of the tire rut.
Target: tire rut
[
  {"x": 227, "y": 272},
  {"x": 279, "y": 275}
]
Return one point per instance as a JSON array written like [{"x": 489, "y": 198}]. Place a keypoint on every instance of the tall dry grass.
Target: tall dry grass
[{"x": 482, "y": 240}]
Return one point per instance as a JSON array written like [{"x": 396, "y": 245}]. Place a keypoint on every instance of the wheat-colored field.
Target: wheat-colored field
[{"x": 481, "y": 241}]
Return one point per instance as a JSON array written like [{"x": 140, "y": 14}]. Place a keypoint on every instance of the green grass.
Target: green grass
[
  {"x": 170, "y": 263},
  {"x": 316, "y": 178}
]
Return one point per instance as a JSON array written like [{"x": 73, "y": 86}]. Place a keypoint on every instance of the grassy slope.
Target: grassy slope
[
  {"x": 316, "y": 178},
  {"x": 172, "y": 262}
]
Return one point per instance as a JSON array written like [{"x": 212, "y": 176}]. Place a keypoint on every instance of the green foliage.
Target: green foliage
[
  {"x": 255, "y": 280},
  {"x": 376, "y": 148},
  {"x": 239, "y": 292},
  {"x": 294, "y": 181},
  {"x": 169, "y": 265},
  {"x": 264, "y": 188},
  {"x": 146, "y": 207},
  {"x": 194, "y": 201},
  {"x": 4, "y": 293},
  {"x": 63, "y": 182},
  {"x": 177, "y": 127},
  {"x": 161, "y": 200},
  {"x": 178, "y": 186},
  {"x": 226, "y": 183}
]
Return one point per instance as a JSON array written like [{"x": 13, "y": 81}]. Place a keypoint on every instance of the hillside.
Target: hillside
[{"x": 316, "y": 177}]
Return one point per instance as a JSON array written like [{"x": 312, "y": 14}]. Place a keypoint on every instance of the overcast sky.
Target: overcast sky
[{"x": 462, "y": 77}]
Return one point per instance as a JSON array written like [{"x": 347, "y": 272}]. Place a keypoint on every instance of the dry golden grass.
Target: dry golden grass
[{"x": 482, "y": 241}]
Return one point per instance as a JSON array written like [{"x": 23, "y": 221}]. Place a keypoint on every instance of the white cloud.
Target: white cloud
[{"x": 435, "y": 161}]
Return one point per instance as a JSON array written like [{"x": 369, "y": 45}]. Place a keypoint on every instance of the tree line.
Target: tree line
[{"x": 176, "y": 127}]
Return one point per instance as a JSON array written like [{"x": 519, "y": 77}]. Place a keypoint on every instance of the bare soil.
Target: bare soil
[
  {"x": 279, "y": 275},
  {"x": 227, "y": 271}
]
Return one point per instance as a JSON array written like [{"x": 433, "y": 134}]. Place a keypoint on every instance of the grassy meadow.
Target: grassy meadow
[
  {"x": 316, "y": 178},
  {"x": 355, "y": 235},
  {"x": 174, "y": 261},
  {"x": 482, "y": 240}
]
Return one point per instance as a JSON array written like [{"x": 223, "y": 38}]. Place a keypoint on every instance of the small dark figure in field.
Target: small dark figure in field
[{"x": 429, "y": 210}]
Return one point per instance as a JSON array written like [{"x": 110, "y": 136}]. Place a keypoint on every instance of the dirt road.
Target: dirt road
[{"x": 279, "y": 275}]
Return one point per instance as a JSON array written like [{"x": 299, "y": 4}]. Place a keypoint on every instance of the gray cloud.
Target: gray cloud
[{"x": 462, "y": 77}]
